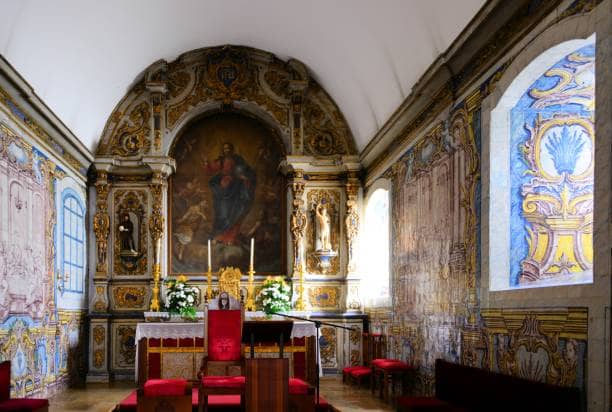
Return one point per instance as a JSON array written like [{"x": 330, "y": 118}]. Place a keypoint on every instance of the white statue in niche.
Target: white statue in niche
[{"x": 323, "y": 228}]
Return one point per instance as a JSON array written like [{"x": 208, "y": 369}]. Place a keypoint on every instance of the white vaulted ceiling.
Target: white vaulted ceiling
[{"x": 81, "y": 56}]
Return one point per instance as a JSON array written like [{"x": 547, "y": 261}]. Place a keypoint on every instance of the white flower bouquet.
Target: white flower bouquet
[
  {"x": 181, "y": 298},
  {"x": 275, "y": 295}
]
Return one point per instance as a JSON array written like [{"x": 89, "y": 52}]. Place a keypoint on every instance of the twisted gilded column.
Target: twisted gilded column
[
  {"x": 298, "y": 231},
  {"x": 156, "y": 230}
]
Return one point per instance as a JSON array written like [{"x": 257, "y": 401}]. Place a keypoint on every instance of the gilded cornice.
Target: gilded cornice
[
  {"x": 20, "y": 116},
  {"x": 225, "y": 78}
]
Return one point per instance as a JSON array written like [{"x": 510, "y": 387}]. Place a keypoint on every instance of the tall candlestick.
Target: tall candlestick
[
  {"x": 252, "y": 253},
  {"x": 209, "y": 257}
]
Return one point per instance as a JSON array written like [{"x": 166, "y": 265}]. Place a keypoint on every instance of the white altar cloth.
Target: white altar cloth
[{"x": 176, "y": 330}]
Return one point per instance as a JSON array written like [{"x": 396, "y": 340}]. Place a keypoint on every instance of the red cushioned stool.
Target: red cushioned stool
[
  {"x": 359, "y": 373},
  {"x": 389, "y": 373},
  {"x": 301, "y": 395},
  {"x": 166, "y": 394},
  {"x": 346, "y": 373}
]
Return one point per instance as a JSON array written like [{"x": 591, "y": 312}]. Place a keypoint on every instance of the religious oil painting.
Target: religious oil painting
[{"x": 226, "y": 189}]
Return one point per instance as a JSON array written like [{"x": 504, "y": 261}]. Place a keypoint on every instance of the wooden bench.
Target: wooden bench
[{"x": 464, "y": 388}]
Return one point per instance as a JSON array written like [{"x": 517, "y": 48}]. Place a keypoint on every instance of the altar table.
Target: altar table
[{"x": 168, "y": 350}]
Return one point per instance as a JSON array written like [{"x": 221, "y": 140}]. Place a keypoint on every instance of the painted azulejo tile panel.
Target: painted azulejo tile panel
[
  {"x": 551, "y": 175},
  {"x": 42, "y": 340}
]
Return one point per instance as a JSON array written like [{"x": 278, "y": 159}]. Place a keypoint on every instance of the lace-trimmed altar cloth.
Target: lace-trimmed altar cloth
[{"x": 176, "y": 330}]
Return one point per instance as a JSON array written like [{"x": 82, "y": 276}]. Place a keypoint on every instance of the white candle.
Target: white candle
[
  {"x": 252, "y": 252},
  {"x": 158, "y": 251},
  {"x": 209, "y": 257}
]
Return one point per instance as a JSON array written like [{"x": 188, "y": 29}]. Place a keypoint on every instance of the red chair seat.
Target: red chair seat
[
  {"x": 361, "y": 371},
  {"x": 349, "y": 369},
  {"x": 165, "y": 387},
  {"x": 376, "y": 362},
  {"x": 224, "y": 381},
  {"x": 23, "y": 405},
  {"x": 226, "y": 401},
  {"x": 297, "y": 387},
  {"x": 394, "y": 366}
]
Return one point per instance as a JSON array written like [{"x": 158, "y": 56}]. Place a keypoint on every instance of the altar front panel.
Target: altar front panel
[{"x": 175, "y": 350}]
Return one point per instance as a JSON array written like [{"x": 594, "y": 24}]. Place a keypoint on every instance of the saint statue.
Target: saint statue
[
  {"x": 126, "y": 235},
  {"x": 233, "y": 188},
  {"x": 323, "y": 227}
]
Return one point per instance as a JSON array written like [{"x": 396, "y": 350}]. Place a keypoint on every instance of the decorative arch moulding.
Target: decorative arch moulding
[{"x": 170, "y": 95}]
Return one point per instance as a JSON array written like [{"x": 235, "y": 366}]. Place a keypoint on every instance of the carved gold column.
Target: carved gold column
[
  {"x": 101, "y": 222},
  {"x": 298, "y": 230},
  {"x": 156, "y": 229},
  {"x": 351, "y": 223}
]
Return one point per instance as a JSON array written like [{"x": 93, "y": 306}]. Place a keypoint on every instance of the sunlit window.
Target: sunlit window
[
  {"x": 375, "y": 246},
  {"x": 74, "y": 244}
]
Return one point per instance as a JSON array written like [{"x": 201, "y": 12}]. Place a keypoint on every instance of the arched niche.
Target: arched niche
[{"x": 169, "y": 95}]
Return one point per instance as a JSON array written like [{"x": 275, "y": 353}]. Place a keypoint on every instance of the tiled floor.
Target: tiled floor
[{"x": 103, "y": 397}]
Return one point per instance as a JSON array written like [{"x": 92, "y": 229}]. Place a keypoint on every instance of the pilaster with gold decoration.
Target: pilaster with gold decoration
[{"x": 298, "y": 230}]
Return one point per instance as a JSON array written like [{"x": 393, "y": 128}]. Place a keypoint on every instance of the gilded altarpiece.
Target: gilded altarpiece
[{"x": 149, "y": 132}]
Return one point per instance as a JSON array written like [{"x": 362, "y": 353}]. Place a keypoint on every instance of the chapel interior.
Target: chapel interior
[{"x": 283, "y": 205}]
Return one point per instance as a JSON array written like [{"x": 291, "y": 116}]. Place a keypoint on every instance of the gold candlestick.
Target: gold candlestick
[
  {"x": 250, "y": 303},
  {"x": 299, "y": 303},
  {"x": 155, "y": 298},
  {"x": 209, "y": 286}
]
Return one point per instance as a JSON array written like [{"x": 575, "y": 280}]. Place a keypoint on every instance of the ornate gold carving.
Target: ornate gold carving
[
  {"x": 536, "y": 344},
  {"x": 298, "y": 224},
  {"x": 331, "y": 198},
  {"x": 98, "y": 360},
  {"x": 126, "y": 345},
  {"x": 225, "y": 75},
  {"x": 129, "y": 296},
  {"x": 100, "y": 302},
  {"x": 352, "y": 223},
  {"x": 229, "y": 281},
  {"x": 325, "y": 130},
  {"x": 131, "y": 201},
  {"x": 101, "y": 222},
  {"x": 99, "y": 334},
  {"x": 328, "y": 347},
  {"x": 323, "y": 296},
  {"x": 156, "y": 220},
  {"x": 132, "y": 138}
]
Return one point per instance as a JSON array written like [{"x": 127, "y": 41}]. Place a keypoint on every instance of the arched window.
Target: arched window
[
  {"x": 375, "y": 247},
  {"x": 73, "y": 262},
  {"x": 541, "y": 181}
]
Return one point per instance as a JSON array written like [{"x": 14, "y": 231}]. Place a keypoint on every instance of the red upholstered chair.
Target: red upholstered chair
[
  {"x": 223, "y": 364},
  {"x": 164, "y": 394},
  {"x": 22, "y": 404}
]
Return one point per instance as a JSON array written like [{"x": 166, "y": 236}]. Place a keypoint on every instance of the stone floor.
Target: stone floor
[{"x": 100, "y": 397}]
